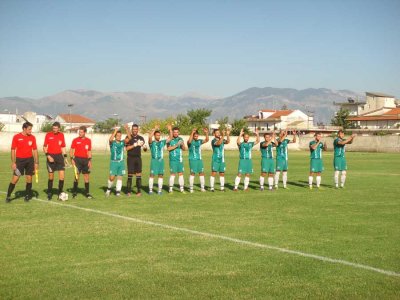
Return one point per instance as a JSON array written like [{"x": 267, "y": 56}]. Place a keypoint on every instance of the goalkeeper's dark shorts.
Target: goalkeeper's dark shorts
[{"x": 134, "y": 164}]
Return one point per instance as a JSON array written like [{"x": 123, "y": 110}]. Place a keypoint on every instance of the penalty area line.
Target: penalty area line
[{"x": 227, "y": 238}]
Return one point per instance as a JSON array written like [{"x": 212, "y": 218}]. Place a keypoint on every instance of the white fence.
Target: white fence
[{"x": 390, "y": 143}]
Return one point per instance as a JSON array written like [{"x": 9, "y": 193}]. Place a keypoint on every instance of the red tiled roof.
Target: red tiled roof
[
  {"x": 280, "y": 113},
  {"x": 76, "y": 119},
  {"x": 394, "y": 111},
  {"x": 268, "y": 110},
  {"x": 375, "y": 118}
]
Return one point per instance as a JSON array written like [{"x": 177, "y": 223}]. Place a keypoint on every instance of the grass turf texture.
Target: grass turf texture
[{"x": 50, "y": 251}]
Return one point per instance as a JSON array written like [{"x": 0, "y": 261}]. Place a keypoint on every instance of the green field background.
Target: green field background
[{"x": 57, "y": 252}]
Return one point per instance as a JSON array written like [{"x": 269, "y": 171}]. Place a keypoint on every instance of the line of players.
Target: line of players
[{"x": 25, "y": 161}]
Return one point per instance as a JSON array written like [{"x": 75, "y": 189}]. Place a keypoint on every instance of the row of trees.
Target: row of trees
[{"x": 194, "y": 118}]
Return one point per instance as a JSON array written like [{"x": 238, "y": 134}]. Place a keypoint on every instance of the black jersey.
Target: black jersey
[{"x": 136, "y": 151}]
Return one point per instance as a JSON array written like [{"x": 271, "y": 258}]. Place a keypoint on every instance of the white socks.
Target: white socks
[
  {"x": 277, "y": 178},
  {"x": 171, "y": 182},
  {"x": 222, "y": 182},
  {"x": 318, "y": 181},
  {"x": 237, "y": 182},
  {"x": 118, "y": 186},
  {"x": 270, "y": 182},
  {"x": 212, "y": 181},
  {"x": 109, "y": 184},
  {"x": 343, "y": 178},
  {"x": 337, "y": 178},
  {"x": 151, "y": 182},
  {"x": 310, "y": 180},
  {"x": 284, "y": 178},
  {"x": 246, "y": 182},
  {"x": 262, "y": 181},
  {"x": 181, "y": 181},
  {"x": 160, "y": 184},
  {"x": 202, "y": 182},
  {"x": 191, "y": 181}
]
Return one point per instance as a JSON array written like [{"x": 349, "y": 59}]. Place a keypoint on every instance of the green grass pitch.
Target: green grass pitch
[{"x": 52, "y": 251}]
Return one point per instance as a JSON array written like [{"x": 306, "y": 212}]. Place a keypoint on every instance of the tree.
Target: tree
[
  {"x": 184, "y": 124},
  {"x": 106, "y": 126},
  {"x": 223, "y": 122},
  {"x": 47, "y": 127},
  {"x": 199, "y": 116},
  {"x": 158, "y": 123},
  {"x": 340, "y": 119},
  {"x": 237, "y": 125}
]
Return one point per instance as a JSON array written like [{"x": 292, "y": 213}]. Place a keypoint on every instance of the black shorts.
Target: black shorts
[
  {"x": 57, "y": 165},
  {"x": 134, "y": 164},
  {"x": 82, "y": 164},
  {"x": 25, "y": 166}
]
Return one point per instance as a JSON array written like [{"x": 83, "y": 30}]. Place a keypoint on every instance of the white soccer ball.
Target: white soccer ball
[{"x": 63, "y": 196}]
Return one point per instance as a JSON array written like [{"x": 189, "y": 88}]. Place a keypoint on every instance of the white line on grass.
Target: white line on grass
[{"x": 230, "y": 239}]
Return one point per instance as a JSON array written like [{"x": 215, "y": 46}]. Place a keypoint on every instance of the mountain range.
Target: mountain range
[{"x": 133, "y": 106}]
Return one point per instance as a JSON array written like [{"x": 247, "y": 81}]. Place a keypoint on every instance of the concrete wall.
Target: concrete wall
[{"x": 390, "y": 143}]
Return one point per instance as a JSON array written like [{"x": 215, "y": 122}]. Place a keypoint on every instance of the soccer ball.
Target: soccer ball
[{"x": 63, "y": 196}]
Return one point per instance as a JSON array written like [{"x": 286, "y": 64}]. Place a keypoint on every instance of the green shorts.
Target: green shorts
[
  {"x": 117, "y": 168},
  {"x": 267, "y": 165},
  {"x": 196, "y": 166},
  {"x": 176, "y": 167},
  {"x": 245, "y": 166},
  {"x": 340, "y": 164},
  {"x": 316, "y": 165},
  {"x": 157, "y": 167},
  {"x": 218, "y": 166},
  {"x": 281, "y": 165}
]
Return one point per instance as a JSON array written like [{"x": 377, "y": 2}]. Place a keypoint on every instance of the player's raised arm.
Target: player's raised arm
[
  {"x": 191, "y": 136},
  {"x": 257, "y": 137},
  {"x": 112, "y": 137},
  {"x": 151, "y": 134},
  {"x": 239, "y": 139},
  {"x": 128, "y": 133},
  {"x": 273, "y": 140},
  {"x": 228, "y": 137},
  {"x": 207, "y": 136},
  {"x": 294, "y": 132},
  {"x": 182, "y": 145}
]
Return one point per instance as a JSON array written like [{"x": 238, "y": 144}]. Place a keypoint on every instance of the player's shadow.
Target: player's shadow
[
  {"x": 299, "y": 184},
  {"x": 305, "y": 184},
  {"x": 78, "y": 191},
  {"x": 21, "y": 195}
]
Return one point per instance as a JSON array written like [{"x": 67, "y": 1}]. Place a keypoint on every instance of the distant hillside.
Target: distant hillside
[{"x": 131, "y": 105}]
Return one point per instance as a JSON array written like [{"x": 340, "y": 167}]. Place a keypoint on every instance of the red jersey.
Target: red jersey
[
  {"x": 24, "y": 144},
  {"x": 81, "y": 146},
  {"x": 54, "y": 142}
]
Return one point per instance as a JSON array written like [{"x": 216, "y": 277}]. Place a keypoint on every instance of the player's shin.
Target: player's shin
[
  {"x": 262, "y": 178},
  {"x": 246, "y": 182},
  {"x": 49, "y": 185},
  {"x": 160, "y": 184},
  {"x": 318, "y": 180},
  {"x": 139, "y": 183},
  {"x": 284, "y": 178},
  {"x": 222, "y": 182},
  {"x": 11, "y": 187},
  {"x": 191, "y": 182},
  {"x": 202, "y": 182},
  {"x": 181, "y": 181},
  {"x": 343, "y": 178},
  {"x": 237, "y": 182},
  {"x": 270, "y": 182},
  {"x": 212, "y": 181},
  {"x": 60, "y": 186},
  {"x": 310, "y": 180},
  {"x": 151, "y": 183},
  {"x": 118, "y": 185},
  {"x": 171, "y": 182},
  {"x": 277, "y": 178},
  {"x": 337, "y": 178}
]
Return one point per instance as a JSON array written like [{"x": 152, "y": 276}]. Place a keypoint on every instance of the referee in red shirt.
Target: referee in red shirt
[
  {"x": 24, "y": 158},
  {"x": 81, "y": 158},
  {"x": 54, "y": 149}
]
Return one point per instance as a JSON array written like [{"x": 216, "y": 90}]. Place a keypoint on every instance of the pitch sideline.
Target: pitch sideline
[{"x": 227, "y": 238}]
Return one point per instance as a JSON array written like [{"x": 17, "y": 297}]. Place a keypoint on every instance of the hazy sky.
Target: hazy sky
[{"x": 212, "y": 47}]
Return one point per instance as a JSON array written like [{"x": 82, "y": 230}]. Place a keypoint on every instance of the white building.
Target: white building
[
  {"x": 72, "y": 122},
  {"x": 13, "y": 122},
  {"x": 268, "y": 119},
  {"x": 378, "y": 112}
]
